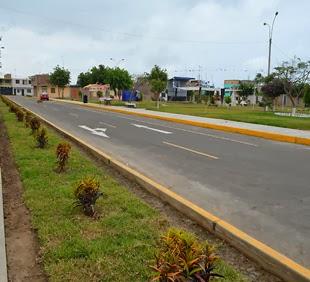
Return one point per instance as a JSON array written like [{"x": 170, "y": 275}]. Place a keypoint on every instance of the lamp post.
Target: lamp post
[{"x": 270, "y": 39}]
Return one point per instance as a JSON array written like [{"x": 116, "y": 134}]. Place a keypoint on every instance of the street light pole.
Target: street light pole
[{"x": 270, "y": 40}]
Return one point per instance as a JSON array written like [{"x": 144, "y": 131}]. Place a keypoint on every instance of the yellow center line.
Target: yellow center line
[{"x": 191, "y": 150}]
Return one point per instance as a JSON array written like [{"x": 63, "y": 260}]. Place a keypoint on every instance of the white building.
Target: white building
[{"x": 22, "y": 87}]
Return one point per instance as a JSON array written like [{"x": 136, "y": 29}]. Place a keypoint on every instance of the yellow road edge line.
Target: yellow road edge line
[
  {"x": 270, "y": 259},
  {"x": 191, "y": 150},
  {"x": 244, "y": 131}
]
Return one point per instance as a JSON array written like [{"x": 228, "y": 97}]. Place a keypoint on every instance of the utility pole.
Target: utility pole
[{"x": 270, "y": 39}]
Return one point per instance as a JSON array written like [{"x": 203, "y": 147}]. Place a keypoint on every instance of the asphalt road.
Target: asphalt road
[{"x": 260, "y": 186}]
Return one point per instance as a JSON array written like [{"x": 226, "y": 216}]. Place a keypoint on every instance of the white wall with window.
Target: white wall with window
[{"x": 22, "y": 86}]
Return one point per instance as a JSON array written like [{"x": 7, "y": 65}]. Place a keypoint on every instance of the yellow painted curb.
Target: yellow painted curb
[
  {"x": 268, "y": 258},
  {"x": 250, "y": 132}
]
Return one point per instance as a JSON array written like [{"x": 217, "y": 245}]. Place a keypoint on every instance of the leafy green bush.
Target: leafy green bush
[
  {"x": 41, "y": 138},
  {"x": 227, "y": 99},
  {"x": 181, "y": 257},
  {"x": 99, "y": 94},
  {"x": 87, "y": 193},
  {"x": 20, "y": 115},
  {"x": 34, "y": 125},
  {"x": 62, "y": 154}
]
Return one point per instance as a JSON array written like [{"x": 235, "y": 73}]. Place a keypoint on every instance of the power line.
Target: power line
[{"x": 126, "y": 34}]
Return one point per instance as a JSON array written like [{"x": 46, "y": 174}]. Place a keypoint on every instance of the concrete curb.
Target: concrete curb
[
  {"x": 3, "y": 268},
  {"x": 250, "y": 132},
  {"x": 265, "y": 256}
]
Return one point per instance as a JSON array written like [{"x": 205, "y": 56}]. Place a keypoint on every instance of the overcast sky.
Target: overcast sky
[{"x": 224, "y": 39}]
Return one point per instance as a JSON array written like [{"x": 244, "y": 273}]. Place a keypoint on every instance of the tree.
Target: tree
[
  {"x": 246, "y": 89},
  {"x": 60, "y": 77},
  {"x": 294, "y": 75},
  {"x": 273, "y": 89},
  {"x": 98, "y": 74},
  {"x": 158, "y": 80},
  {"x": 307, "y": 95},
  {"x": 119, "y": 79}
]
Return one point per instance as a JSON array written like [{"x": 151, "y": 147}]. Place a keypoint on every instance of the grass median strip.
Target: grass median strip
[{"x": 118, "y": 246}]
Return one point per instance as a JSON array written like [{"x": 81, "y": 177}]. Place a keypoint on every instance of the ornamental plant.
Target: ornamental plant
[
  {"x": 62, "y": 154},
  {"x": 34, "y": 125},
  {"x": 87, "y": 193},
  {"x": 28, "y": 118},
  {"x": 181, "y": 257},
  {"x": 41, "y": 138},
  {"x": 20, "y": 115}
]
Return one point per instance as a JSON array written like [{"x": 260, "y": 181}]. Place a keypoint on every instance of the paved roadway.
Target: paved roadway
[{"x": 258, "y": 185}]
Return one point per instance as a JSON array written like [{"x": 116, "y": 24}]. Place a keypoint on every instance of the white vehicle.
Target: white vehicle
[{"x": 243, "y": 103}]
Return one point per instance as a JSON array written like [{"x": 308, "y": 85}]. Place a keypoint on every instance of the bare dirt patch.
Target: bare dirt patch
[{"x": 21, "y": 241}]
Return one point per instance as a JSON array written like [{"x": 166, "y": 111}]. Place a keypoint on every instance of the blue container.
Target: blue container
[{"x": 128, "y": 95}]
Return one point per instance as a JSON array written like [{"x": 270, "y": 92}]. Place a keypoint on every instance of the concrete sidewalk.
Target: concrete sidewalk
[
  {"x": 257, "y": 130},
  {"x": 3, "y": 269}
]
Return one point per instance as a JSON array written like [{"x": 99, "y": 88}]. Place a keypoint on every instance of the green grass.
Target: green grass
[
  {"x": 119, "y": 246},
  {"x": 243, "y": 114}
]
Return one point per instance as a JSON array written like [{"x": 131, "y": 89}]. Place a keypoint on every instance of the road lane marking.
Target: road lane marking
[
  {"x": 194, "y": 132},
  {"x": 74, "y": 115},
  {"x": 151, "y": 128},
  {"x": 191, "y": 150},
  {"x": 96, "y": 131},
  {"x": 107, "y": 124},
  {"x": 176, "y": 128}
]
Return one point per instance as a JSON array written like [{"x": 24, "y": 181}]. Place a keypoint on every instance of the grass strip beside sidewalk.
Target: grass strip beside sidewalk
[{"x": 119, "y": 246}]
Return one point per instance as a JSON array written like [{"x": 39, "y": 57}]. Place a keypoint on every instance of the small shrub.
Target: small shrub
[
  {"x": 13, "y": 108},
  {"x": 227, "y": 99},
  {"x": 20, "y": 115},
  {"x": 99, "y": 94},
  {"x": 181, "y": 257},
  {"x": 28, "y": 118},
  {"x": 34, "y": 125},
  {"x": 62, "y": 154},
  {"x": 41, "y": 138},
  {"x": 87, "y": 193}
]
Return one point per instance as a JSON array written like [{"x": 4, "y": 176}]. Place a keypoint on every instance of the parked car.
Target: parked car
[
  {"x": 44, "y": 96},
  {"x": 243, "y": 103}
]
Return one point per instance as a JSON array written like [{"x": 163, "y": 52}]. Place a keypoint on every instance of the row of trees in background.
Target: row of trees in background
[{"x": 119, "y": 79}]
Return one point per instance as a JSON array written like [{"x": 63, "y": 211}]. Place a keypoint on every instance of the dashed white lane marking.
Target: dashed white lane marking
[
  {"x": 74, "y": 115},
  {"x": 176, "y": 128},
  {"x": 107, "y": 124},
  {"x": 151, "y": 128},
  {"x": 191, "y": 150}
]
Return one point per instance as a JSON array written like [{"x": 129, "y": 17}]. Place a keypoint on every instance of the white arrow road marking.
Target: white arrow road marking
[
  {"x": 151, "y": 128},
  {"x": 96, "y": 131}
]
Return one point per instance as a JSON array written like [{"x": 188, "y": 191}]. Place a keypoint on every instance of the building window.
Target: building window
[
  {"x": 28, "y": 90},
  {"x": 17, "y": 81},
  {"x": 24, "y": 81},
  {"x": 29, "y": 81},
  {"x": 52, "y": 90}
]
